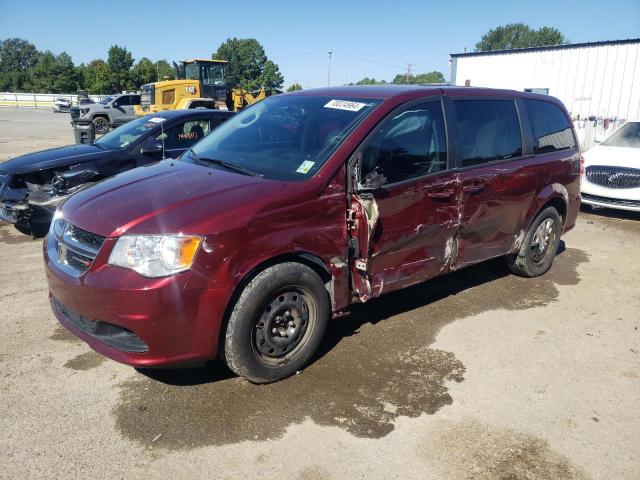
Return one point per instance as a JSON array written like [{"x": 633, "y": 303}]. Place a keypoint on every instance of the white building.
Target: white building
[{"x": 597, "y": 80}]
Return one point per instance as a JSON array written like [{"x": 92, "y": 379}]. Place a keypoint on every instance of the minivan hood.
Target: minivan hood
[
  {"x": 612, "y": 156},
  {"x": 164, "y": 198},
  {"x": 54, "y": 157}
]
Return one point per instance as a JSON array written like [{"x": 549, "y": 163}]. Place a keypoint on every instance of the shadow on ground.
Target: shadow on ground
[{"x": 374, "y": 366}]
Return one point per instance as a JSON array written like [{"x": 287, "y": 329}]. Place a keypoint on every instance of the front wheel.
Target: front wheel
[
  {"x": 277, "y": 323},
  {"x": 101, "y": 125},
  {"x": 539, "y": 247}
]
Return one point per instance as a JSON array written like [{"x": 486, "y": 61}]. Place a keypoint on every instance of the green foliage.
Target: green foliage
[
  {"x": 144, "y": 72},
  {"x": 294, "y": 87},
  {"x": 53, "y": 73},
  {"x": 17, "y": 56},
  {"x": 120, "y": 62},
  {"x": 370, "y": 81},
  {"x": 165, "y": 71},
  {"x": 97, "y": 77},
  {"x": 430, "y": 77},
  {"x": 248, "y": 66},
  {"x": 519, "y": 35}
]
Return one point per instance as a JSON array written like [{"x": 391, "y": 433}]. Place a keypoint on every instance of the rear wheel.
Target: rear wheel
[
  {"x": 101, "y": 125},
  {"x": 539, "y": 246},
  {"x": 277, "y": 323}
]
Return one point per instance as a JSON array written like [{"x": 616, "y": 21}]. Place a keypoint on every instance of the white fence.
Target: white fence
[{"x": 39, "y": 100}]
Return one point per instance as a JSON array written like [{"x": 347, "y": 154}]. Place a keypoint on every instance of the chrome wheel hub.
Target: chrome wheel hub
[{"x": 543, "y": 239}]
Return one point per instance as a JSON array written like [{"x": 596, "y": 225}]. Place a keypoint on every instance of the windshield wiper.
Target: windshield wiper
[{"x": 225, "y": 164}]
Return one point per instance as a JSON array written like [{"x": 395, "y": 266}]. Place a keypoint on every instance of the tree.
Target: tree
[
  {"x": 294, "y": 87},
  {"x": 519, "y": 35},
  {"x": 165, "y": 71},
  {"x": 97, "y": 77},
  {"x": 370, "y": 81},
  {"x": 17, "y": 56},
  {"x": 65, "y": 77},
  {"x": 248, "y": 66},
  {"x": 144, "y": 72},
  {"x": 431, "y": 77},
  {"x": 52, "y": 74},
  {"x": 120, "y": 62}
]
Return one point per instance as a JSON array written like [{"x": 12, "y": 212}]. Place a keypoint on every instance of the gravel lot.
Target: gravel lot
[{"x": 477, "y": 375}]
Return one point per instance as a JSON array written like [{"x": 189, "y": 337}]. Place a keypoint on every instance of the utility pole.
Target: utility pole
[
  {"x": 408, "y": 76},
  {"x": 329, "y": 69}
]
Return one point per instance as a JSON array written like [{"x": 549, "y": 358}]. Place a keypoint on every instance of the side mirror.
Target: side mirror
[{"x": 152, "y": 146}]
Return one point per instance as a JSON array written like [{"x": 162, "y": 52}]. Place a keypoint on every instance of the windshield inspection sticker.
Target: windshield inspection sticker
[
  {"x": 305, "y": 166},
  {"x": 345, "y": 105},
  {"x": 156, "y": 120}
]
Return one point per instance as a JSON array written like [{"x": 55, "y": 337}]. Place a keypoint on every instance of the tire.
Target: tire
[
  {"x": 539, "y": 247},
  {"x": 277, "y": 323},
  {"x": 101, "y": 125}
]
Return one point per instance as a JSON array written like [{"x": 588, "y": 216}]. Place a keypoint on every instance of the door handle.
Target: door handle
[
  {"x": 473, "y": 187},
  {"x": 441, "y": 194}
]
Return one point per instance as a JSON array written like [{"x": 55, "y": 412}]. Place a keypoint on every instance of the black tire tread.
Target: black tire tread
[
  {"x": 519, "y": 264},
  {"x": 232, "y": 354}
]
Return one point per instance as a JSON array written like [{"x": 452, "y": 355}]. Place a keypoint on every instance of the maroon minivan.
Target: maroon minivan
[{"x": 301, "y": 205}]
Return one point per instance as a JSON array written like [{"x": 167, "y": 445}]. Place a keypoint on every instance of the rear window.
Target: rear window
[
  {"x": 488, "y": 130},
  {"x": 551, "y": 129}
]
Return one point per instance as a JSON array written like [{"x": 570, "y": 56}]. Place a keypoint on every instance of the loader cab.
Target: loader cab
[{"x": 211, "y": 74}]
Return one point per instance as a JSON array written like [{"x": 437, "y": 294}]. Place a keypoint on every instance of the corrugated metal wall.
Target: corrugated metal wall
[
  {"x": 597, "y": 80},
  {"x": 598, "y": 83}
]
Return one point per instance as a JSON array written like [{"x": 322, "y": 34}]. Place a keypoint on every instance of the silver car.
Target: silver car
[{"x": 109, "y": 113}]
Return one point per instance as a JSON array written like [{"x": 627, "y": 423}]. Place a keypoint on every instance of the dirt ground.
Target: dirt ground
[{"x": 476, "y": 375}]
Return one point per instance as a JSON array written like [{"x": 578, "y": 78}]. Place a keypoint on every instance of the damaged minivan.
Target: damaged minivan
[
  {"x": 302, "y": 205},
  {"x": 33, "y": 185}
]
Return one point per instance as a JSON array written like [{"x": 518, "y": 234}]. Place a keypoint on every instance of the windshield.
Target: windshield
[
  {"x": 104, "y": 101},
  {"x": 285, "y": 137},
  {"x": 128, "y": 133},
  {"x": 627, "y": 135},
  {"x": 191, "y": 71}
]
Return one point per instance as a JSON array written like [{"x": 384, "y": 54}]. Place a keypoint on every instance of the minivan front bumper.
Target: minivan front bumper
[{"x": 135, "y": 320}]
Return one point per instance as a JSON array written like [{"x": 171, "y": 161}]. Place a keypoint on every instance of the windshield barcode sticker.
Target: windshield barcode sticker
[
  {"x": 305, "y": 166},
  {"x": 345, "y": 105}
]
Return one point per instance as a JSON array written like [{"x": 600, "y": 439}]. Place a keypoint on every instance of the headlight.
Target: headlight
[
  {"x": 155, "y": 255},
  {"x": 57, "y": 224}
]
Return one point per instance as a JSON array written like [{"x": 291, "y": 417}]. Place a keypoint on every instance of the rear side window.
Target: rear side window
[
  {"x": 409, "y": 144},
  {"x": 135, "y": 99},
  {"x": 124, "y": 100},
  {"x": 551, "y": 129},
  {"x": 488, "y": 130}
]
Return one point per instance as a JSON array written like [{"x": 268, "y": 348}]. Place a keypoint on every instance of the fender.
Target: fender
[
  {"x": 102, "y": 114},
  {"x": 553, "y": 192}
]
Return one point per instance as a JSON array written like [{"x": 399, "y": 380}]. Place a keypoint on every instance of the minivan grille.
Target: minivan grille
[
  {"x": 73, "y": 248},
  {"x": 613, "y": 177}
]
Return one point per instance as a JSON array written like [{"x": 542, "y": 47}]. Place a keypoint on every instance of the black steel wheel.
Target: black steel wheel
[
  {"x": 280, "y": 329},
  {"x": 277, "y": 323}
]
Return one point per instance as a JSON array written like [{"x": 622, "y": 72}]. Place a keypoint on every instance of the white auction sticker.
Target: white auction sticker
[
  {"x": 305, "y": 166},
  {"x": 345, "y": 105}
]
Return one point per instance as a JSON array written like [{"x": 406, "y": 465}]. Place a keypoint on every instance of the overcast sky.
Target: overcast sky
[{"x": 370, "y": 38}]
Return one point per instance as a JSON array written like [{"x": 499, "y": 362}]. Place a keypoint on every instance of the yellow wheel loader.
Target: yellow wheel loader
[{"x": 200, "y": 83}]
